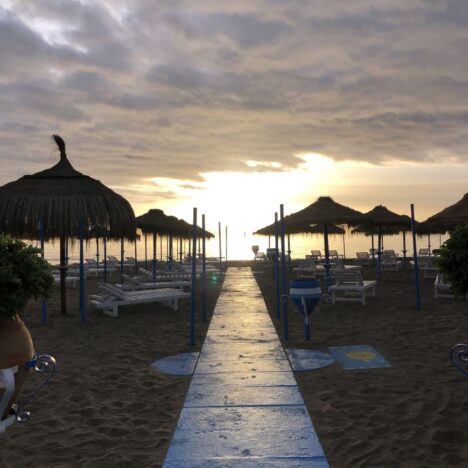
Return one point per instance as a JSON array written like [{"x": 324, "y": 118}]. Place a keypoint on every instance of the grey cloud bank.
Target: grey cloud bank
[{"x": 177, "y": 88}]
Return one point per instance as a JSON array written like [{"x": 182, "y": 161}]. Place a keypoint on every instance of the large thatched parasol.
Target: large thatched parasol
[
  {"x": 299, "y": 228},
  {"x": 447, "y": 219},
  {"x": 385, "y": 221},
  {"x": 155, "y": 221},
  {"x": 326, "y": 212},
  {"x": 61, "y": 198}
]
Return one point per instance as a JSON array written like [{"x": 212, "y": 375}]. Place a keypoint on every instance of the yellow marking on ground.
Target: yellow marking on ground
[{"x": 361, "y": 355}]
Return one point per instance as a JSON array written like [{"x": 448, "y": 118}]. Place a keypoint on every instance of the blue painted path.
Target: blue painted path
[{"x": 243, "y": 407}]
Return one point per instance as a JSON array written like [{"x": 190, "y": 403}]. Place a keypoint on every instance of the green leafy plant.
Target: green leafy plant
[
  {"x": 453, "y": 260},
  {"x": 23, "y": 274}
]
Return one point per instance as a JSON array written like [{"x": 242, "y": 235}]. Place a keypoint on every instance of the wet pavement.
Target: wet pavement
[{"x": 243, "y": 407}]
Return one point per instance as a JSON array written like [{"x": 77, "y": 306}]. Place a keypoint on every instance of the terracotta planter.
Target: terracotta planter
[{"x": 16, "y": 348}]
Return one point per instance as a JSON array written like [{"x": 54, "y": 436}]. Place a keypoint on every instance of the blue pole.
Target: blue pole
[
  {"x": 415, "y": 256},
  {"x": 283, "y": 274},
  {"x": 220, "y": 250},
  {"x": 82, "y": 278},
  {"x": 44, "y": 303},
  {"x": 104, "y": 242},
  {"x": 379, "y": 254},
  {"x": 97, "y": 252},
  {"x": 146, "y": 251},
  {"x": 121, "y": 259},
  {"x": 154, "y": 257},
  {"x": 136, "y": 257},
  {"x": 405, "y": 260},
  {"x": 194, "y": 274},
  {"x": 203, "y": 269},
  {"x": 276, "y": 270},
  {"x": 327, "y": 260}
]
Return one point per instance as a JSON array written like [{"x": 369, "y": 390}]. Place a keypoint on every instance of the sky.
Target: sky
[{"x": 236, "y": 107}]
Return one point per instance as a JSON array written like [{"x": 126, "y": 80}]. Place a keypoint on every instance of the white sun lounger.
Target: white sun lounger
[
  {"x": 113, "y": 297},
  {"x": 353, "y": 287},
  {"x": 363, "y": 258},
  {"x": 166, "y": 275},
  {"x": 137, "y": 283}
]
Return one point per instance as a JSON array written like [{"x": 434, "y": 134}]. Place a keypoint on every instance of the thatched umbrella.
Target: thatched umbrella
[
  {"x": 155, "y": 221},
  {"x": 450, "y": 217},
  {"x": 326, "y": 212},
  {"x": 294, "y": 227},
  {"x": 381, "y": 218},
  {"x": 62, "y": 198},
  {"x": 445, "y": 220},
  {"x": 371, "y": 231}
]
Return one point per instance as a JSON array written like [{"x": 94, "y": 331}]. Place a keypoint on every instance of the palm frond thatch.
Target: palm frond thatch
[
  {"x": 382, "y": 216},
  {"x": 326, "y": 211},
  {"x": 155, "y": 221},
  {"x": 60, "y": 197},
  {"x": 447, "y": 219}
]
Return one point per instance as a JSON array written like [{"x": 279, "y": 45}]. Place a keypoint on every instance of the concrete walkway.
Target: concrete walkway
[{"x": 243, "y": 407}]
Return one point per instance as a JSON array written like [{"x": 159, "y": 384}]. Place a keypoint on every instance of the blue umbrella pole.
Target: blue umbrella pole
[
  {"x": 154, "y": 258},
  {"x": 194, "y": 282},
  {"x": 276, "y": 269},
  {"x": 122, "y": 252},
  {"x": 136, "y": 258},
  {"x": 283, "y": 274},
  {"x": 379, "y": 254},
  {"x": 82, "y": 276},
  {"x": 327, "y": 260},
  {"x": 146, "y": 251},
  {"x": 415, "y": 256},
  {"x": 104, "y": 246},
  {"x": 220, "y": 250},
  {"x": 405, "y": 261},
  {"x": 44, "y": 303},
  {"x": 97, "y": 252},
  {"x": 203, "y": 269}
]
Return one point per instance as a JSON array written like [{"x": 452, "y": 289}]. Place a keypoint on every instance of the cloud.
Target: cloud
[{"x": 176, "y": 89}]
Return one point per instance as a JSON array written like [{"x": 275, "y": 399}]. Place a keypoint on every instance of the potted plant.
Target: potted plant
[
  {"x": 453, "y": 260},
  {"x": 23, "y": 274}
]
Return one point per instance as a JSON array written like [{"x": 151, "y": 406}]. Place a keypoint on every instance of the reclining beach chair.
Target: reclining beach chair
[
  {"x": 113, "y": 297},
  {"x": 137, "y": 283},
  {"x": 316, "y": 255},
  {"x": 353, "y": 287},
  {"x": 442, "y": 287},
  {"x": 363, "y": 258},
  {"x": 390, "y": 262},
  {"x": 334, "y": 255},
  {"x": 167, "y": 275},
  {"x": 427, "y": 267},
  {"x": 424, "y": 252},
  {"x": 306, "y": 269}
]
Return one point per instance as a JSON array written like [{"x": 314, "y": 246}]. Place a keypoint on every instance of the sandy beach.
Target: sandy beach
[
  {"x": 105, "y": 407},
  {"x": 413, "y": 414}
]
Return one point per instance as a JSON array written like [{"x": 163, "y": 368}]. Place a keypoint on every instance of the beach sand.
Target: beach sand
[
  {"x": 105, "y": 407},
  {"x": 413, "y": 414}
]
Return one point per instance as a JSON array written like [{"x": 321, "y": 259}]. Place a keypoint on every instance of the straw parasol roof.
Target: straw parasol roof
[
  {"x": 299, "y": 228},
  {"x": 382, "y": 216},
  {"x": 155, "y": 221},
  {"x": 326, "y": 211},
  {"x": 59, "y": 197},
  {"x": 447, "y": 219},
  {"x": 374, "y": 230}
]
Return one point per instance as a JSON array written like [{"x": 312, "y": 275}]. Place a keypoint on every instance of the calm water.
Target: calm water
[{"x": 239, "y": 246}]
